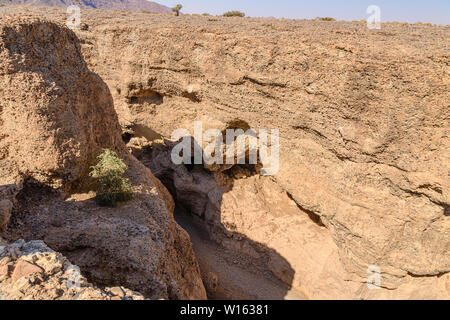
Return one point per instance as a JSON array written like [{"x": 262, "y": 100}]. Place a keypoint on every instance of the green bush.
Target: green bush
[
  {"x": 234, "y": 14},
  {"x": 112, "y": 187}
]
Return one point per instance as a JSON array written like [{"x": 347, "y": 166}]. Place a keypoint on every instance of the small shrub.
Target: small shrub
[
  {"x": 327, "y": 19},
  {"x": 234, "y": 14},
  {"x": 112, "y": 187}
]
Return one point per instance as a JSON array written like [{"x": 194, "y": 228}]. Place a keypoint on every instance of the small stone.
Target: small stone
[
  {"x": 15, "y": 295},
  {"x": 117, "y": 291},
  {"x": 23, "y": 269}
]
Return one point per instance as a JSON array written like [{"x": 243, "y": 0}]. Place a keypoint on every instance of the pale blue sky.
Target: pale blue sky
[{"x": 435, "y": 11}]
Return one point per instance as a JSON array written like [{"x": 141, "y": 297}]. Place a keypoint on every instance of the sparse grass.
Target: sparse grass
[
  {"x": 111, "y": 187},
  {"x": 327, "y": 19},
  {"x": 234, "y": 13}
]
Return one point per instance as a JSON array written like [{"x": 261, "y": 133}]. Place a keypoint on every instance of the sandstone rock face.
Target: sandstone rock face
[
  {"x": 56, "y": 116},
  {"x": 32, "y": 271},
  {"x": 5, "y": 213},
  {"x": 364, "y": 133},
  {"x": 363, "y": 119}
]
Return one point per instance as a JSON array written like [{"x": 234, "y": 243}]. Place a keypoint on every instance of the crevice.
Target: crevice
[{"x": 313, "y": 216}]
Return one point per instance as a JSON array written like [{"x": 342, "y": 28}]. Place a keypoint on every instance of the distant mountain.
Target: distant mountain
[{"x": 127, "y": 5}]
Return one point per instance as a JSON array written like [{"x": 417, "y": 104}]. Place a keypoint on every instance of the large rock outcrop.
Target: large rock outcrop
[{"x": 56, "y": 115}]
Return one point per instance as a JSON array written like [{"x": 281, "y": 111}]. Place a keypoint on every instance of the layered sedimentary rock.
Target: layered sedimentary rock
[
  {"x": 56, "y": 116},
  {"x": 364, "y": 133}
]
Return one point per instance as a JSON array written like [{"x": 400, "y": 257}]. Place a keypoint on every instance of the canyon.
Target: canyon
[
  {"x": 126, "y": 5},
  {"x": 363, "y": 183}
]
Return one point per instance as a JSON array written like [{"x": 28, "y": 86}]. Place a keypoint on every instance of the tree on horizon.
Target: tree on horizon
[{"x": 177, "y": 9}]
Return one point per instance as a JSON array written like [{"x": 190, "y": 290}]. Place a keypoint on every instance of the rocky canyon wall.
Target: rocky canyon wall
[{"x": 364, "y": 129}]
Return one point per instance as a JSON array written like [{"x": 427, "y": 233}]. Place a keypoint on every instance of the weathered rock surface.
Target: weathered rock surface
[
  {"x": 55, "y": 112},
  {"x": 32, "y": 271},
  {"x": 363, "y": 119},
  {"x": 56, "y": 116},
  {"x": 364, "y": 128}
]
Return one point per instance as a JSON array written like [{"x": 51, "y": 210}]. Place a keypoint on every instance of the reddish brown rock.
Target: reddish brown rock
[{"x": 24, "y": 269}]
